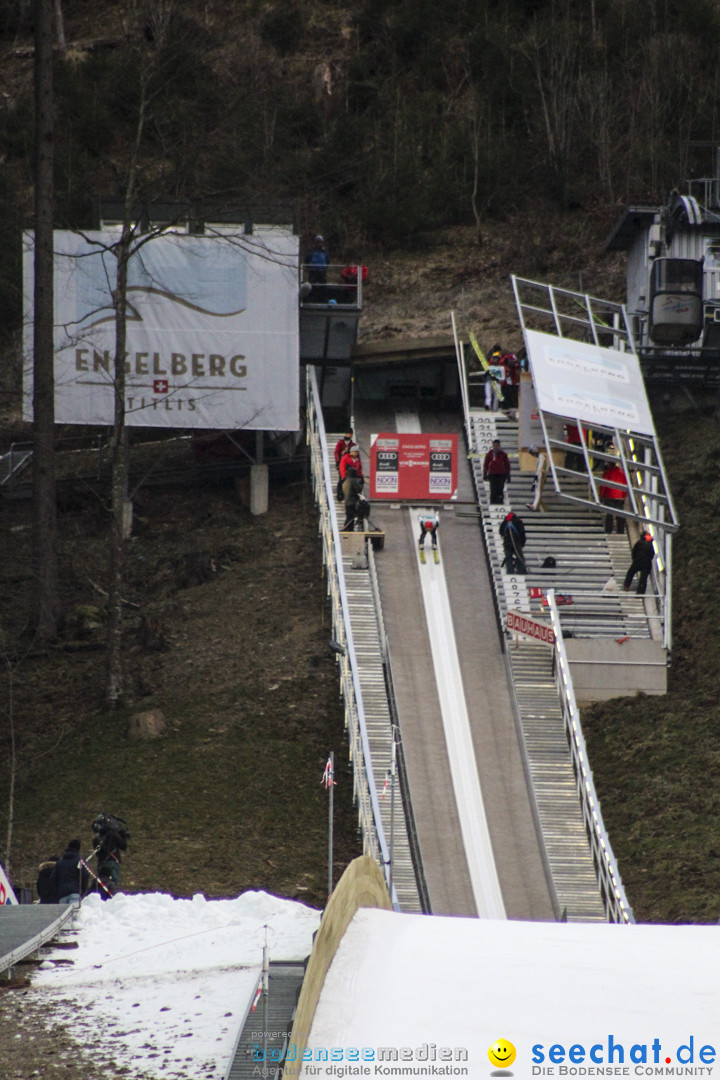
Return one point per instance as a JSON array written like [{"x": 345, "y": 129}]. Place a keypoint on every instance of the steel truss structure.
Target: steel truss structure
[{"x": 578, "y": 317}]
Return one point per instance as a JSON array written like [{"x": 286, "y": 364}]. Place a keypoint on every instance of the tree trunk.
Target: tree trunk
[
  {"x": 60, "y": 24},
  {"x": 46, "y": 601},
  {"x": 114, "y": 688}
]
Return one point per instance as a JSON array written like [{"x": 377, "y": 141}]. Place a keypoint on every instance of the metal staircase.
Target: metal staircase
[
  {"x": 379, "y": 725},
  {"x": 371, "y": 657},
  {"x": 585, "y": 562}
]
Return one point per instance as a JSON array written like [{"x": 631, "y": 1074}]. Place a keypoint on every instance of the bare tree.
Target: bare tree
[
  {"x": 123, "y": 252},
  {"x": 46, "y": 600}
]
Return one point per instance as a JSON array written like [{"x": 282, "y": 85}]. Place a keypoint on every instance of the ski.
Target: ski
[
  {"x": 422, "y": 555},
  {"x": 486, "y": 367},
  {"x": 436, "y": 555}
]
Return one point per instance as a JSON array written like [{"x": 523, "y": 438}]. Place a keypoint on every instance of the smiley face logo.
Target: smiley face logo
[{"x": 501, "y": 1053}]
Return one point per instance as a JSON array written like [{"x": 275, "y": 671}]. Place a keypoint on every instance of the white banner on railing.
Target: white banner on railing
[
  {"x": 588, "y": 382},
  {"x": 212, "y": 330}
]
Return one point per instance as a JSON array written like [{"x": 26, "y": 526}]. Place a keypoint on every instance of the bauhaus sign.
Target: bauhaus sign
[
  {"x": 212, "y": 330},
  {"x": 416, "y": 467},
  {"x": 525, "y": 627}
]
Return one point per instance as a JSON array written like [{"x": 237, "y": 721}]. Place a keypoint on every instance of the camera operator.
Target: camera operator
[{"x": 111, "y": 837}]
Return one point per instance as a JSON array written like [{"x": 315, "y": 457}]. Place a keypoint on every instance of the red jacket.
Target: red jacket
[
  {"x": 612, "y": 475},
  {"x": 512, "y": 369},
  {"x": 496, "y": 463},
  {"x": 350, "y": 460},
  {"x": 343, "y": 446},
  {"x": 572, "y": 435}
]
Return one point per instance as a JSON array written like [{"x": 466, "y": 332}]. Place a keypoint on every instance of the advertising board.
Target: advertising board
[
  {"x": 417, "y": 467},
  {"x": 531, "y": 629},
  {"x": 212, "y": 331}
]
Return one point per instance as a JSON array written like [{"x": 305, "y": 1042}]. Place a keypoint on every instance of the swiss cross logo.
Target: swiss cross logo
[{"x": 160, "y": 386}]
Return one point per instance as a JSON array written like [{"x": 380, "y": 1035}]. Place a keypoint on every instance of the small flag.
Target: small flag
[
  {"x": 385, "y": 786},
  {"x": 328, "y": 777},
  {"x": 258, "y": 992}
]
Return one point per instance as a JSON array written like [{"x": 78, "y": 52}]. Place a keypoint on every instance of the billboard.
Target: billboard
[
  {"x": 212, "y": 330},
  {"x": 588, "y": 382},
  {"x": 418, "y": 467}
]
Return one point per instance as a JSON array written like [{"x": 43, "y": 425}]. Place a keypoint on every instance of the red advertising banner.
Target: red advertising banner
[
  {"x": 418, "y": 467},
  {"x": 526, "y": 627}
]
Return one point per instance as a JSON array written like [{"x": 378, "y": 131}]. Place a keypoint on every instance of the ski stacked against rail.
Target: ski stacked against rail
[{"x": 497, "y": 387}]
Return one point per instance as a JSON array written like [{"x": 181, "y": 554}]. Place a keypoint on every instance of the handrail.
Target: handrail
[
  {"x": 609, "y": 881},
  {"x": 333, "y": 290},
  {"x": 411, "y": 828},
  {"x": 464, "y": 391},
  {"x": 611, "y": 887},
  {"x": 374, "y": 842},
  {"x": 47, "y": 933}
]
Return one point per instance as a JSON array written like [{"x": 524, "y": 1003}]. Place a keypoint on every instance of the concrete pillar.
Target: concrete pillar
[{"x": 259, "y": 485}]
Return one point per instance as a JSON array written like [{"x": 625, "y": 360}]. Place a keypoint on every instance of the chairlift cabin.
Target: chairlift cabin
[
  {"x": 673, "y": 284},
  {"x": 676, "y": 301}
]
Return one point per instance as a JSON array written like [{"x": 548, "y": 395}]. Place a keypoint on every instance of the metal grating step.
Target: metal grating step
[{"x": 581, "y": 557}]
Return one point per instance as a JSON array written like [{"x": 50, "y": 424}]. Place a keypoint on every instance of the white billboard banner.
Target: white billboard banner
[
  {"x": 212, "y": 331},
  {"x": 588, "y": 382}
]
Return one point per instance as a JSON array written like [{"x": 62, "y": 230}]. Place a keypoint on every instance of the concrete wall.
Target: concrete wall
[
  {"x": 603, "y": 668},
  {"x": 361, "y": 886}
]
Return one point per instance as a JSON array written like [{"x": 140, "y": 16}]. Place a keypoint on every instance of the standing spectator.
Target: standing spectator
[
  {"x": 496, "y": 469},
  {"x": 318, "y": 260},
  {"x": 111, "y": 837},
  {"x": 643, "y": 554},
  {"x": 493, "y": 378},
  {"x": 46, "y": 885},
  {"x": 342, "y": 447},
  {"x": 613, "y": 497},
  {"x": 352, "y": 484},
  {"x": 350, "y": 275},
  {"x": 511, "y": 380},
  {"x": 574, "y": 459},
  {"x": 70, "y": 877},
  {"x": 512, "y": 531}
]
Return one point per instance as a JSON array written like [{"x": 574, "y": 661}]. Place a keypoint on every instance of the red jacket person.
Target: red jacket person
[{"x": 496, "y": 469}]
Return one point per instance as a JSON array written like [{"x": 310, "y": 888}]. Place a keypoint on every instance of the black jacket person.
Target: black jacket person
[
  {"x": 111, "y": 839},
  {"x": 643, "y": 554},
  {"x": 69, "y": 877},
  {"x": 512, "y": 530}
]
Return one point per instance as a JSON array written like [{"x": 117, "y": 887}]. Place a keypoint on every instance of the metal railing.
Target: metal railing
[
  {"x": 411, "y": 828},
  {"x": 585, "y": 613},
  {"x": 611, "y": 887},
  {"x": 326, "y": 285},
  {"x": 364, "y": 788}
]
